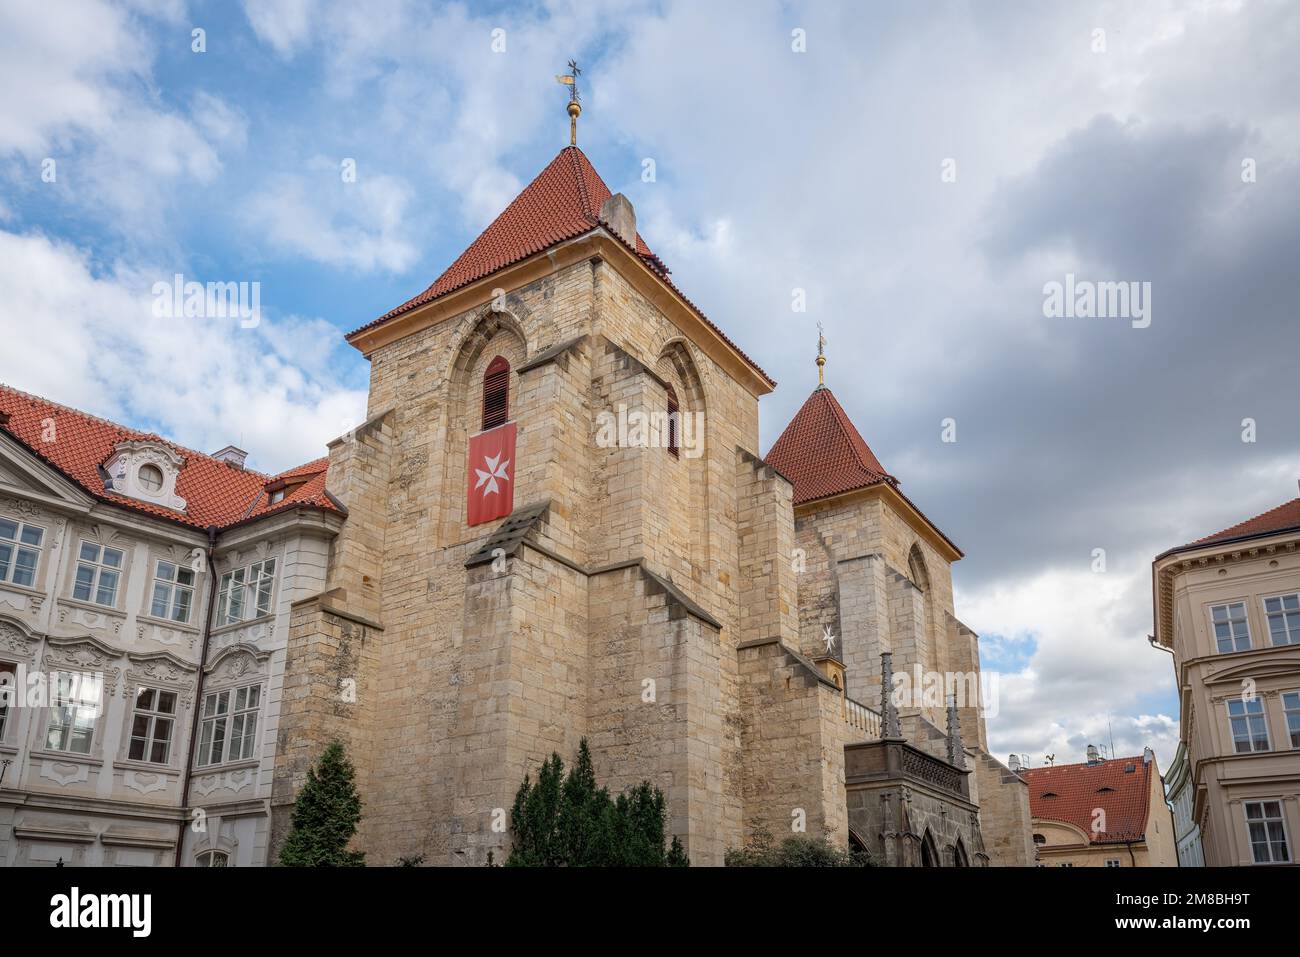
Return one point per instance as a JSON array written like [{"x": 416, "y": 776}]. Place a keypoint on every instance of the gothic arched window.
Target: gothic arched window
[
  {"x": 916, "y": 569},
  {"x": 496, "y": 393}
]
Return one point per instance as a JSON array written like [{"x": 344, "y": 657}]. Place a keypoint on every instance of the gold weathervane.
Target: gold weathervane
[
  {"x": 821, "y": 356},
  {"x": 570, "y": 80}
]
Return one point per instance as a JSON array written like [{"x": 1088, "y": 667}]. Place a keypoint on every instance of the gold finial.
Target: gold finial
[
  {"x": 570, "y": 80},
  {"x": 821, "y": 356}
]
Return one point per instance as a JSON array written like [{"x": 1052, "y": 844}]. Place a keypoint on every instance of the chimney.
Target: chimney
[
  {"x": 1148, "y": 755},
  {"x": 1014, "y": 762},
  {"x": 1093, "y": 756},
  {"x": 231, "y": 456},
  {"x": 617, "y": 213}
]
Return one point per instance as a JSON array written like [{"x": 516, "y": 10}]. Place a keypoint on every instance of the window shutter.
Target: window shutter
[
  {"x": 496, "y": 393},
  {"x": 673, "y": 416}
]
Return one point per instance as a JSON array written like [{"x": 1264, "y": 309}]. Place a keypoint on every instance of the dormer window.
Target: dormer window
[
  {"x": 147, "y": 471},
  {"x": 278, "y": 490}
]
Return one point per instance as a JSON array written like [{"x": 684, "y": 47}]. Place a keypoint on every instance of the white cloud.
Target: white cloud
[
  {"x": 85, "y": 76},
  {"x": 220, "y": 122},
  {"x": 1091, "y": 659},
  {"x": 203, "y": 382},
  {"x": 286, "y": 25},
  {"x": 356, "y": 225}
]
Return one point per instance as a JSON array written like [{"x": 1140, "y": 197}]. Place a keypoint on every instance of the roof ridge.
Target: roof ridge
[
  {"x": 126, "y": 428},
  {"x": 576, "y": 156},
  {"x": 850, "y": 432}
]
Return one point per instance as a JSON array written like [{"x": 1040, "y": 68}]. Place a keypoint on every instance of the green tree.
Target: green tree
[
  {"x": 559, "y": 821},
  {"x": 325, "y": 816}
]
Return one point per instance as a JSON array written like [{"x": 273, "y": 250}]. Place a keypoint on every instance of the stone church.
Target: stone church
[{"x": 554, "y": 524}]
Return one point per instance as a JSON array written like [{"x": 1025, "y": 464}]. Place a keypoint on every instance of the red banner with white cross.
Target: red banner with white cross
[{"x": 491, "y": 474}]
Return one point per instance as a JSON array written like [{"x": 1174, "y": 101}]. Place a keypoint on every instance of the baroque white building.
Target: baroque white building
[{"x": 110, "y": 661}]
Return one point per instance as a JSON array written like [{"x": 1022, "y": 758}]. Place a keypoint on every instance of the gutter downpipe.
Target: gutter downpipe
[{"x": 198, "y": 692}]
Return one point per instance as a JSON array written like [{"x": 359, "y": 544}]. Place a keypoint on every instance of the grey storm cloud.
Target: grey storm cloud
[{"x": 1064, "y": 454}]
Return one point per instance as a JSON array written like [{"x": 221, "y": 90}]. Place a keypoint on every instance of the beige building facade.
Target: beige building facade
[{"x": 1228, "y": 609}]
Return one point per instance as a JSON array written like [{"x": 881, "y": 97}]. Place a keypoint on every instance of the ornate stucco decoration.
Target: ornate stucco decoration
[
  {"x": 17, "y": 641},
  {"x": 84, "y": 655},
  {"x": 237, "y": 662},
  {"x": 146, "y": 471}
]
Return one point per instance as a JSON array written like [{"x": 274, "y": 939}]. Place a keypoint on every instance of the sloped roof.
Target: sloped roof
[
  {"x": 821, "y": 452},
  {"x": 563, "y": 202},
  {"x": 1073, "y": 792},
  {"x": 1286, "y": 517},
  {"x": 215, "y": 492}
]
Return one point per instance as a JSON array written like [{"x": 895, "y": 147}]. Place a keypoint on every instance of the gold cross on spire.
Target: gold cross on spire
[
  {"x": 821, "y": 356},
  {"x": 570, "y": 80}
]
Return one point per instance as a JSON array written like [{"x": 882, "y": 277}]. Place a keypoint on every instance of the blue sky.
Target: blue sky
[{"x": 777, "y": 170}]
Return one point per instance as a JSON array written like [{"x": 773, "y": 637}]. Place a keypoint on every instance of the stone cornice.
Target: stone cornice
[{"x": 1167, "y": 567}]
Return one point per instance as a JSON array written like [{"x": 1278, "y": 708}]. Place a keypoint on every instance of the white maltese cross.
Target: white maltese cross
[
  {"x": 496, "y": 470},
  {"x": 829, "y": 639}
]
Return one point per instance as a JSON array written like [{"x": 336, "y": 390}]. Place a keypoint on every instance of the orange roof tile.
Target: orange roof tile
[
  {"x": 1285, "y": 517},
  {"x": 822, "y": 454},
  {"x": 215, "y": 492},
  {"x": 1074, "y": 792},
  {"x": 563, "y": 202}
]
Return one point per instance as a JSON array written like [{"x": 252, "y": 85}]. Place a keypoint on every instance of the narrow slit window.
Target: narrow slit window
[
  {"x": 496, "y": 393},
  {"x": 674, "y": 417}
]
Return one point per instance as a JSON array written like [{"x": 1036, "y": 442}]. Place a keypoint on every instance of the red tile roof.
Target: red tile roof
[
  {"x": 563, "y": 202},
  {"x": 1285, "y": 517},
  {"x": 1072, "y": 793},
  {"x": 215, "y": 492},
  {"x": 822, "y": 453}
]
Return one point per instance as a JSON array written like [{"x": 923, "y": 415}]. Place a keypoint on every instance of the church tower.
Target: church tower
[
  {"x": 877, "y": 573},
  {"x": 544, "y": 538}
]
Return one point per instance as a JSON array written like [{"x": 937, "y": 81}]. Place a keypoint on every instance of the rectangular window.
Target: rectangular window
[
  {"x": 173, "y": 592},
  {"x": 245, "y": 593},
  {"x": 1267, "y": 832},
  {"x": 151, "y": 725},
  {"x": 1249, "y": 729},
  {"x": 99, "y": 569},
  {"x": 1231, "y": 632},
  {"x": 1283, "y": 613},
  {"x": 229, "y": 725},
  {"x": 1291, "y": 708},
  {"x": 1113, "y": 862},
  {"x": 73, "y": 713},
  {"x": 20, "y": 551},
  {"x": 8, "y": 687}
]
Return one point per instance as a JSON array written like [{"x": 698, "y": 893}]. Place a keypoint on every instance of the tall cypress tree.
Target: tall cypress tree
[
  {"x": 561, "y": 820},
  {"x": 325, "y": 816}
]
